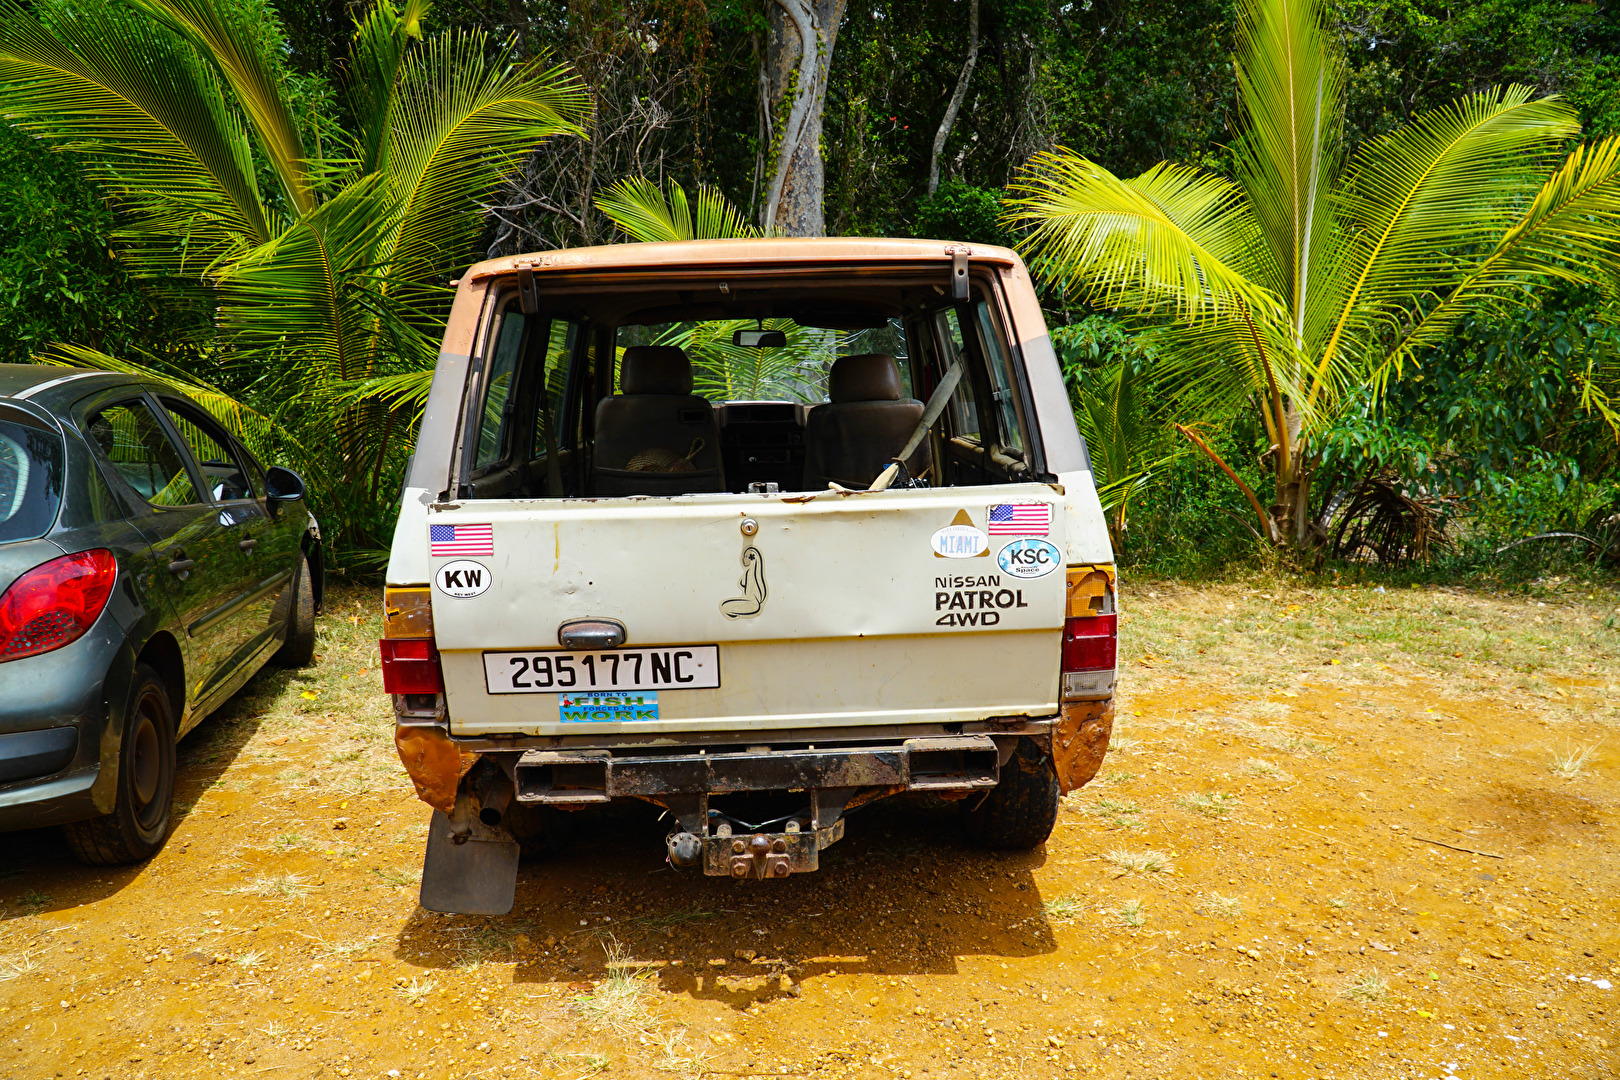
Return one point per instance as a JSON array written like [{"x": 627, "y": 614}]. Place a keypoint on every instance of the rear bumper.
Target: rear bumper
[{"x": 938, "y": 764}]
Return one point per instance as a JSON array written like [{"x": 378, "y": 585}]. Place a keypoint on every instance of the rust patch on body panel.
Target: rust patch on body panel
[
  {"x": 436, "y": 764},
  {"x": 1080, "y": 740}
]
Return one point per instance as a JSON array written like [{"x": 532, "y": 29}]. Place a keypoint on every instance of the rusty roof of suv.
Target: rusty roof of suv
[{"x": 688, "y": 254}]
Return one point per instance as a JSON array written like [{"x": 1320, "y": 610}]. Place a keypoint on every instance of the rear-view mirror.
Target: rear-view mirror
[
  {"x": 759, "y": 339},
  {"x": 282, "y": 485}
]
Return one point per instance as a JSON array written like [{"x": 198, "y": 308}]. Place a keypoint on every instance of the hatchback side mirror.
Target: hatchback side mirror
[{"x": 283, "y": 485}]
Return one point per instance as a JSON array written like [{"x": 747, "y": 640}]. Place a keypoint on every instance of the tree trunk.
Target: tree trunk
[
  {"x": 798, "y": 54},
  {"x": 962, "y": 80}
]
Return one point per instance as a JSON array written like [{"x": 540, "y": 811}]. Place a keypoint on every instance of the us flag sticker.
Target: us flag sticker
[
  {"x": 450, "y": 541},
  {"x": 1020, "y": 519}
]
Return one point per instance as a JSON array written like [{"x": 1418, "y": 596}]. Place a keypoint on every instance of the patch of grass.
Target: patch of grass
[
  {"x": 1119, "y": 778},
  {"x": 274, "y": 886},
  {"x": 674, "y": 1054},
  {"x": 1566, "y": 764},
  {"x": 250, "y": 959},
  {"x": 1119, "y": 742},
  {"x": 417, "y": 990},
  {"x": 1261, "y": 767},
  {"x": 1119, "y": 813},
  {"x": 397, "y": 877},
  {"x": 16, "y": 966},
  {"x": 1141, "y": 862},
  {"x": 1340, "y": 902},
  {"x": 674, "y": 918},
  {"x": 1064, "y": 908},
  {"x": 619, "y": 1002},
  {"x": 274, "y": 1031},
  {"x": 349, "y": 948},
  {"x": 1215, "y": 805},
  {"x": 1221, "y": 907},
  {"x": 35, "y": 899},
  {"x": 1369, "y": 987},
  {"x": 289, "y": 842},
  {"x": 1131, "y": 914}
]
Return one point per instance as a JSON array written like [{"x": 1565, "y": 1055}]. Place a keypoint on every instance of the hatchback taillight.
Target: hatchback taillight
[
  {"x": 55, "y": 603},
  {"x": 1090, "y": 642},
  {"x": 410, "y": 666}
]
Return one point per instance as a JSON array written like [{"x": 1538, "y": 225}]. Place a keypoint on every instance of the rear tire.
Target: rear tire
[
  {"x": 1020, "y": 812},
  {"x": 139, "y": 823},
  {"x": 299, "y": 648}
]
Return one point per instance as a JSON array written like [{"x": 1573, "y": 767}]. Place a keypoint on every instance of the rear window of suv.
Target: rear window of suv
[{"x": 30, "y": 476}]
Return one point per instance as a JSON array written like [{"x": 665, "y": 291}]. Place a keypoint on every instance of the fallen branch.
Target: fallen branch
[
  {"x": 1455, "y": 847},
  {"x": 1549, "y": 536},
  {"x": 1265, "y": 518}
]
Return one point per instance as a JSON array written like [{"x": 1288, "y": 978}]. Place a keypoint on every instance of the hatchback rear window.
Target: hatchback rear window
[{"x": 30, "y": 476}]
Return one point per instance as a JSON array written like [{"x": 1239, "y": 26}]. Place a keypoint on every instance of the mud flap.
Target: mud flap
[{"x": 475, "y": 877}]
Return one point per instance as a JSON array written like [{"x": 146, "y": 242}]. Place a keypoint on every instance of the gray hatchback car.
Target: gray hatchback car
[{"x": 149, "y": 566}]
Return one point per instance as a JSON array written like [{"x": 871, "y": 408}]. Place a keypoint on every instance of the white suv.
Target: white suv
[{"x": 758, "y": 531}]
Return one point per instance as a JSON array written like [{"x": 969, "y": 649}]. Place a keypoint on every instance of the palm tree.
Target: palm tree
[
  {"x": 729, "y": 372},
  {"x": 327, "y": 248},
  {"x": 1310, "y": 272}
]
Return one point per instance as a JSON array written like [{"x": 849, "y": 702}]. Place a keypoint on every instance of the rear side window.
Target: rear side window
[
  {"x": 964, "y": 410},
  {"x": 138, "y": 447},
  {"x": 496, "y": 415},
  {"x": 30, "y": 477},
  {"x": 1002, "y": 388},
  {"x": 548, "y": 426},
  {"x": 222, "y": 469}
]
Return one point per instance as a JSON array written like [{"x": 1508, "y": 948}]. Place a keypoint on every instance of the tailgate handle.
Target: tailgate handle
[{"x": 591, "y": 634}]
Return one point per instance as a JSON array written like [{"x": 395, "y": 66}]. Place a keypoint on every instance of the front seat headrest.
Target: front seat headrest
[
  {"x": 865, "y": 377},
  {"x": 655, "y": 369}
]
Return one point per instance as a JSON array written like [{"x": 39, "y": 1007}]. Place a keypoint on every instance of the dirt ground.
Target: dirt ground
[{"x": 1342, "y": 832}]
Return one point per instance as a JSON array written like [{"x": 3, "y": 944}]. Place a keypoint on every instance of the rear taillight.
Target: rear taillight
[
  {"x": 55, "y": 603},
  {"x": 410, "y": 666},
  {"x": 1090, "y": 643},
  {"x": 1090, "y": 634}
]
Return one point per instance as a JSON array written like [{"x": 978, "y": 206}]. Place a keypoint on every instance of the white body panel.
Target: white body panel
[{"x": 859, "y": 621}]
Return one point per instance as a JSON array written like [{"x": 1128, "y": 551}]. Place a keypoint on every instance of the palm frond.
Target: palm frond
[
  {"x": 1174, "y": 240},
  {"x": 375, "y": 61},
  {"x": 244, "y": 43},
  {"x": 1420, "y": 197},
  {"x": 151, "y": 119},
  {"x": 259, "y": 433},
  {"x": 1570, "y": 233},
  {"x": 647, "y": 215},
  {"x": 1290, "y": 82},
  {"x": 736, "y": 373},
  {"x": 464, "y": 117},
  {"x": 308, "y": 290}
]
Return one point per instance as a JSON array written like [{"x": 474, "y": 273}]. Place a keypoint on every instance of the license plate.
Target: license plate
[{"x": 561, "y": 671}]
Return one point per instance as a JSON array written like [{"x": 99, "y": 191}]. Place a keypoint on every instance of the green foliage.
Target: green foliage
[
  {"x": 59, "y": 277},
  {"x": 1307, "y": 276},
  {"x": 959, "y": 211}
]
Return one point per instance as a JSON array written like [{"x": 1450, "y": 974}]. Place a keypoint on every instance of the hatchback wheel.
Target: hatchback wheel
[{"x": 139, "y": 823}]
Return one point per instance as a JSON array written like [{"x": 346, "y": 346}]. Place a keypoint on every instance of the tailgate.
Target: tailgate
[{"x": 751, "y": 611}]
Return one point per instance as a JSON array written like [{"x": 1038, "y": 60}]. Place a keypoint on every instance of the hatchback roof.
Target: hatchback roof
[{"x": 28, "y": 380}]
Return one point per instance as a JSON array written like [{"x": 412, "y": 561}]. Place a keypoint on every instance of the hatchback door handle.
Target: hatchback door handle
[
  {"x": 247, "y": 545},
  {"x": 181, "y": 566}
]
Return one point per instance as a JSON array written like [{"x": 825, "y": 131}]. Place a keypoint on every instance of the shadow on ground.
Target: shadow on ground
[{"x": 902, "y": 894}]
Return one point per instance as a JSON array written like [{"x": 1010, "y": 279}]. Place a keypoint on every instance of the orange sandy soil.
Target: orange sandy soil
[{"x": 1267, "y": 880}]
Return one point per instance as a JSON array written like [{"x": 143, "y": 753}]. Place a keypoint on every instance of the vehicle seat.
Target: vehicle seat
[
  {"x": 655, "y": 437},
  {"x": 857, "y": 434}
]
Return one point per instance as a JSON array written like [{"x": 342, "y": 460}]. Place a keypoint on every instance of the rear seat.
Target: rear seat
[
  {"x": 864, "y": 425},
  {"x": 655, "y": 437}
]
